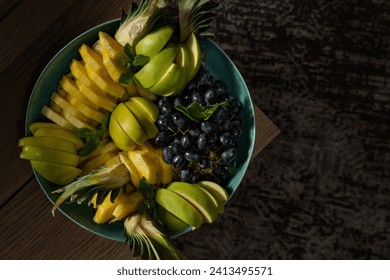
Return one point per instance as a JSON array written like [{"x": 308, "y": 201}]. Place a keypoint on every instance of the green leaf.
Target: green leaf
[
  {"x": 184, "y": 110},
  {"x": 209, "y": 110},
  {"x": 129, "y": 51},
  {"x": 89, "y": 147},
  {"x": 126, "y": 78},
  {"x": 83, "y": 132},
  {"x": 140, "y": 60},
  {"x": 195, "y": 110}
]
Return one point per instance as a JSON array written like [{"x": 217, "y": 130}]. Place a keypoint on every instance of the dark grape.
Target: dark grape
[
  {"x": 220, "y": 88},
  {"x": 161, "y": 101},
  {"x": 185, "y": 175},
  {"x": 178, "y": 101},
  {"x": 207, "y": 127},
  {"x": 227, "y": 125},
  {"x": 202, "y": 141},
  {"x": 176, "y": 147},
  {"x": 167, "y": 155},
  {"x": 180, "y": 120},
  {"x": 164, "y": 123},
  {"x": 162, "y": 138},
  {"x": 226, "y": 139},
  {"x": 235, "y": 107},
  {"x": 210, "y": 96},
  {"x": 229, "y": 155},
  {"x": 186, "y": 141},
  {"x": 197, "y": 98},
  {"x": 192, "y": 156},
  {"x": 178, "y": 161},
  {"x": 236, "y": 132},
  {"x": 194, "y": 132},
  {"x": 196, "y": 177},
  {"x": 236, "y": 121},
  {"x": 167, "y": 108}
]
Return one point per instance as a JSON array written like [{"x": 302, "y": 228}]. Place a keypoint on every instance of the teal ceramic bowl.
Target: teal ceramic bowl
[{"x": 219, "y": 65}]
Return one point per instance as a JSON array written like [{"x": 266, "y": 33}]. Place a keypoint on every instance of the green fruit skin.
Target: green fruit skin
[
  {"x": 199, "y": 200},
  {"x": 143, "y": 118},
  {"x": 119, "y": 136},
  {"x": 56, "y": 173},
  {"x": 179, "y": 207},
  {"x": 129, "y": 124},
  {"x": 217, "y": 188},
  {"x": 152, "y": 43},
  {"x": 48, "y": 155},
  {"x": 168, "y": 84},
  {"x": 60, "y": 133},
  {"x": 215, "y": 197},
  {"x": 153, "y": 71},
  {"x": 49, "y": 143},
  {"x": 170, "y": 221},
  {"x": 150, "y": 107},
  {"x": 195, "y": 55}
]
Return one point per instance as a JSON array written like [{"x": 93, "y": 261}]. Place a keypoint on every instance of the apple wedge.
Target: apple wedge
[
  {"x": 56, "y": 173},
  {"x": 169, "y": 82},
  {"x": 49, "y": 155},
  {"x": 143, "y": 118},
  {"x": 49, "y": 143},
  {"x": 119, "y": 136},
  {"x": 195, "y": 55},
  {"x": 152, "y": 43},
  {"x": 153, "y": 71}
]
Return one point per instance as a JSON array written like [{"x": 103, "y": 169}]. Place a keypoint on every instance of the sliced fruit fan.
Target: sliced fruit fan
[{"x": 139, "y": 130}]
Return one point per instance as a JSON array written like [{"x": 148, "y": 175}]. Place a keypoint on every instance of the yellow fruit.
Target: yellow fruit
[
  {"x": 111, "y": 45},
  {"x": 113, "y": 66},
  {"x": 97, "y": 99},
  {"x": 65, "y": 105},
  {"x": 143, "y": 118},
  {"x": 93, "y": 59},
  {"x": 127, "y": 204},
  {"x": 96, "y": 117},
  {"x": 34, "y": 126},
  {"x": 195, "y": 55},
  {"x": 144, "y": 164},
  {"x": 106, "y": 84},
  {"x": 135, "y": 178},
  {"x": 56, "y": 118},
  {"x": 70, "y": 87},
  {"x": 96, "y": 162}
]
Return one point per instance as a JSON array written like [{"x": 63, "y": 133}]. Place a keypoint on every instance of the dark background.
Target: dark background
[{"x": 320, "y": 70}]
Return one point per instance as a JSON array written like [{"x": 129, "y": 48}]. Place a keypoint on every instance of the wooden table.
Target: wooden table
[{"x": 32, "y": 32}]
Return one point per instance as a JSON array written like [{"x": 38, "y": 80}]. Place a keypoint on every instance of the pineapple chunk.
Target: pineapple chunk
[
  {"x": 111, "y": 45},
  {"x": 99, "y": 100},
  {"x": 93, "y": 59},
  {"x": 106, "y": 84},
  {"x": 145, "y": 165},
  {"x": 135, "y": 178},
  {"x": 113, "y": 66},
  {"x": 96, "y": 117},
  {"x": 96, "y": 162},
  {"x": 95, "y": 153},
  {"x": 69, "y": 86},
  {"x": 113, "y": 161},
  {"x": 127, "y": 204},
  {"x": 56, "y": 118}
]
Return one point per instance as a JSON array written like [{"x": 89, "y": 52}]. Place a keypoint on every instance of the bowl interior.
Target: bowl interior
[{"x": 219, "y": 65}]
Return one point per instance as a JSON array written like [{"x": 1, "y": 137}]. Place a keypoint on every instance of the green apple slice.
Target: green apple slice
[
  {"x": 215, "y": 197},
  {"x": 49, "y": 155},
  {"x": 149, "y": 107},
  {"x": 60, "y": 133},
  {"x": 143, "y": 118},
  {"x": 167, "y": 85},
  {"x": 216, "y": 188},
  {"x": 195, "y": 55},
  {"x": 34, "y": 126},
  {"x": 183, "y": 59},
  {"x": 119, "y": 136},
  {"x": 56, "y": 173},
  {"x": 170, "y": 221},
  {"x": 49, "y": 142},
  {"x": 129, "y": 124},
  {"x": 197, "y": 198},
  {"x": 178, "y": 206},
  {"x": 151, "y": 44},
  {"x": 152, "y": 72}
]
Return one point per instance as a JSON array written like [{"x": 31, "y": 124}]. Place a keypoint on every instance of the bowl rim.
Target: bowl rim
[{"x": 96, "y": 28}]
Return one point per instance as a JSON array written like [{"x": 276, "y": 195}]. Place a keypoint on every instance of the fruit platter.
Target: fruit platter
[{"x": 141, "y": 128}]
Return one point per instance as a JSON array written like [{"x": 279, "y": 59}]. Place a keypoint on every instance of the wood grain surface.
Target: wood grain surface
[{"x": 30, "y": 38}]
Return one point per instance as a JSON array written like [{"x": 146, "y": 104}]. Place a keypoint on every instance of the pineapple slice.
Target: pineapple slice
[
  {"x": 113, "y": 66},
  {"x": 56, "y": 118},
  {"x": 145, "y": 165},
  {"x": 96, "y": 117},
  {"x": 69, "y": 86},
  {"x": 106, "y": 84},
  {"x": 127, "y": 205},
  {"x": 111, "y": 45},
  {"x": 96, "y": 162},
  {"x": 93, "y": 59},
  {"x": 99, "y": 100}
]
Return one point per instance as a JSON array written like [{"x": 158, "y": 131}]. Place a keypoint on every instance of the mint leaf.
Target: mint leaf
[
  {"x": 209, "y": 110},
  {"x": 140, "y": 60},
  {"x": 129, "y": 51},
  {"x": 89, "y": 147},
  {"x": 82, "y": 132},
  {"x": 126, "y": 78},
  {"x": 184, "y": 110},
  {"x": 195, "y": 110}
]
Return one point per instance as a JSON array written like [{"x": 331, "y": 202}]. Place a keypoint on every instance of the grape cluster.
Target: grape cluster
[{"x": 203, "y": 150}]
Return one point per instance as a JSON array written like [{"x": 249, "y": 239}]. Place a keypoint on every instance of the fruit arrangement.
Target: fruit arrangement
[{"x": 139, "y": 130}]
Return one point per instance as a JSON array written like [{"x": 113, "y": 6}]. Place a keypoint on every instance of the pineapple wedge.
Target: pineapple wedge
[
  {"x": 70, "y": 87},
  {"x": 111, "y": 45},
  {"x": 93, "y": 59}
]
